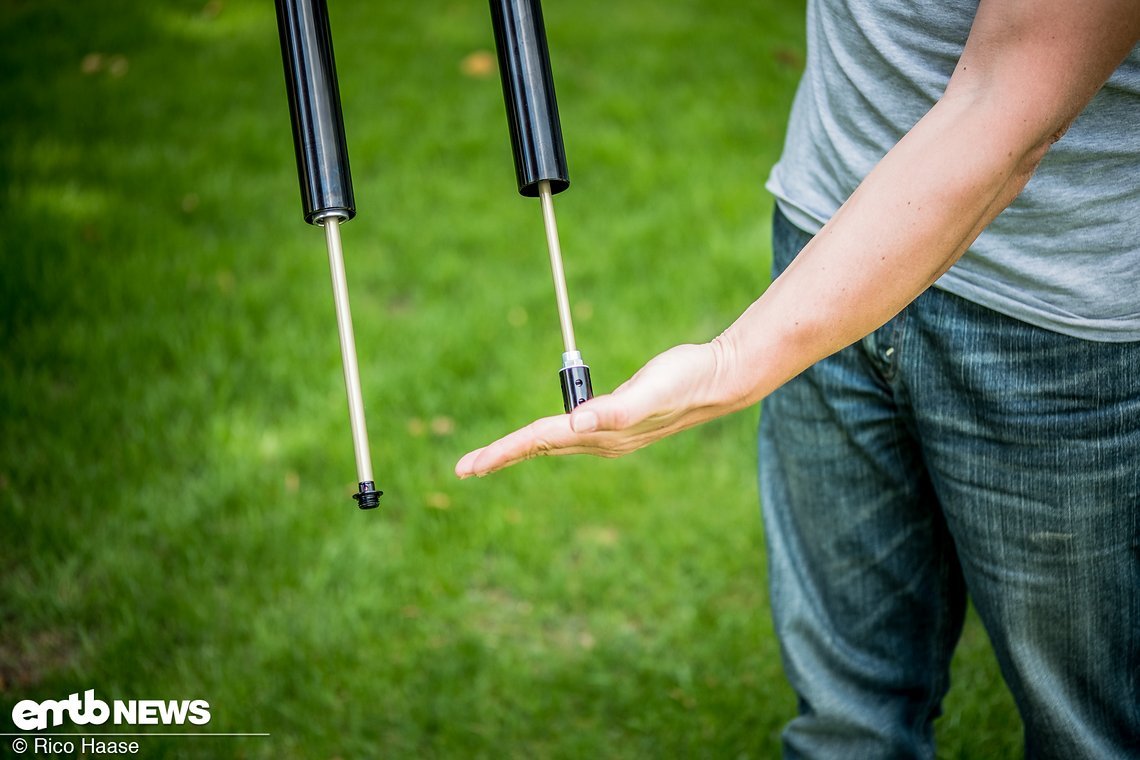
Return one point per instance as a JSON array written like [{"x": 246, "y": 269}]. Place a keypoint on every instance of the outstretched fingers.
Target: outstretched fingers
[
  {"x": 549, "y": 435},
  {"x": 598, "y": 427}
]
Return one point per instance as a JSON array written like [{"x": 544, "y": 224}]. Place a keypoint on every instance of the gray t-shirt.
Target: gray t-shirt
[{"x": 1065, "y": 255}]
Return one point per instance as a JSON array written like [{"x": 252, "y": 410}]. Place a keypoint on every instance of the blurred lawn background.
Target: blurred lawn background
[{"x": 175, "y": 458}]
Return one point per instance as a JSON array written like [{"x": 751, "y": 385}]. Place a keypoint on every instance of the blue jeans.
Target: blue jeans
[{"x": 955, "y": 451}]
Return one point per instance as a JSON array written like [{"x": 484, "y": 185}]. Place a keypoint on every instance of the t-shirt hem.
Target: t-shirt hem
[{"x": 1099, "y": 331}]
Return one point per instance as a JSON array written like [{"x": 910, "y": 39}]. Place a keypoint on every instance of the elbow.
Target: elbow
[
  {"x": 1018, "y": 124},
  {"x": 1013, "y": 142},
  {"x": 1035, "y": 147}
]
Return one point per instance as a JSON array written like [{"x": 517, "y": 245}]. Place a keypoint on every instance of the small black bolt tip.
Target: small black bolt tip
[{"x": 369, "y": 497}]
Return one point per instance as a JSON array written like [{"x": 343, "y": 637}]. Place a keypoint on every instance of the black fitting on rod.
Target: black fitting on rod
[
  {"x": 367, "y": 497},
  {"x": 576, "y": 386},
  {"x": 528, "y": 91},
  {"x": 314, "y": 106}
]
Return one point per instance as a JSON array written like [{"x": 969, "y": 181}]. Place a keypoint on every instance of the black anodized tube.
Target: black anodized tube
[
  {"x": 528, "y": 91},
  {"x": 314, "y": 106}
]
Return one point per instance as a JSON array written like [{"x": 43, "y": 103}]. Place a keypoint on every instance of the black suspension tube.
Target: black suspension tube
[
  {"x": 326, "y": 184},
  {"x": 540, "y": 158},
  {"x": 314, "y": 105},
  {"x": 528, "y": 91}
]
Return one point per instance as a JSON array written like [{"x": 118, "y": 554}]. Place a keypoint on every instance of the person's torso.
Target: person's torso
[{"x": 1065, "y": 255}]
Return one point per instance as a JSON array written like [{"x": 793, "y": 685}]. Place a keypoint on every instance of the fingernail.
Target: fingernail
[{"x": 584, "y": 422}]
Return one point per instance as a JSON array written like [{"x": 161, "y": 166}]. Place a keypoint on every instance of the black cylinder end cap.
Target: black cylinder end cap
[
  {"x": 368, "y": 497},
  {"x": 318, "y": 217},
  {"x": 530, "y": 190}
]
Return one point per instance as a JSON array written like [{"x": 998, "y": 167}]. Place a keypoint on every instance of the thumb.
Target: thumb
[{"x": 601, "y": 413}]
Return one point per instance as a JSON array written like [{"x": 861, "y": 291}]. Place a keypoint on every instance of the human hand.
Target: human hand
[{"x": 680, "y": 388}]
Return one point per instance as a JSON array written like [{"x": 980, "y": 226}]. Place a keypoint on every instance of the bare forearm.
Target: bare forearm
[{"x": 907, "y": 223}]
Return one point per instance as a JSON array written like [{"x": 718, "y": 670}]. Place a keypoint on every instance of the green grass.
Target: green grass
[{"x": 175, "y": 463}]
